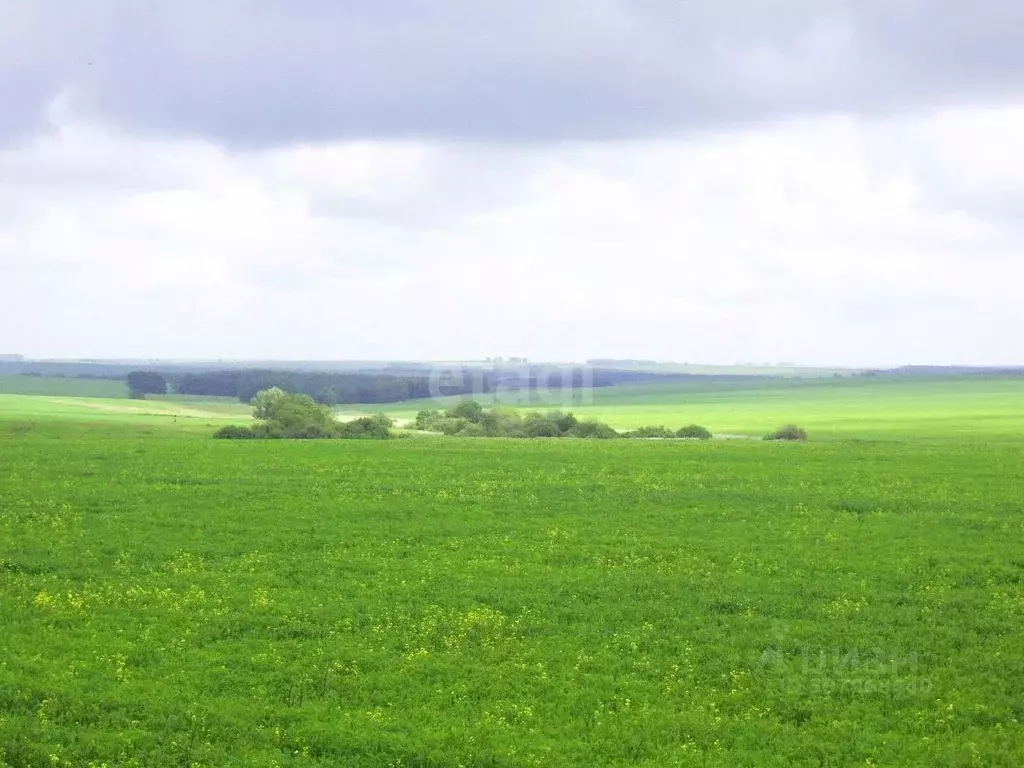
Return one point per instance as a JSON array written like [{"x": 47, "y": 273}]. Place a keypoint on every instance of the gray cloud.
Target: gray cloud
[
  {"x": 270, "y": 72},
  {"x": 819, "y": 240}
]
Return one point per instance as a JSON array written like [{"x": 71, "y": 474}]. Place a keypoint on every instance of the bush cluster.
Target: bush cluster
[
  {"x": 694, "y": 432},
  {"x": 470, "y": 419},
  {"x": 789, "y": 432},
  {"x": 689, "y": 432},
  {"x": 280, "y": 415},
  {"x": 649, "y": 433}
]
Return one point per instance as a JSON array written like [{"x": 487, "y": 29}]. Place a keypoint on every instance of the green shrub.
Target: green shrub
[
  {"x": 473, "y": 430},
  {"x": 451, "y": 426},
  {"x": 470, "y": 410},
  {"x": 539, "y": 425},
  {"x": 309, "y": 432},
  {"x": 376, "y": 427},
  {"x": 234, "y": 432},
  {"x": 299, "y": 417},
  {"x": 789, "y": 432},
  {"x": 267, "y": 430},
  {"x": 491, "y": 423},
  {"x": 382, "y": 420},
  {"x": 292, "y": 413},
  {"x": 564, "y": 421},
  {"x": 694, "y": 432},
  {"x": 593, "y": 430},
  {"x": 651, "y": 432},
  {"x": 503, "y": 421},
  {"x": 427, "y": 420}
]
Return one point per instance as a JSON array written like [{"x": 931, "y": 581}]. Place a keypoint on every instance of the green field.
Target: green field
[
  {"x": 168, "y": 599},
  {"x": 864, "y": 408},
  {"x": 181, "y": 412},
  {"x": 62, "y": 387}
]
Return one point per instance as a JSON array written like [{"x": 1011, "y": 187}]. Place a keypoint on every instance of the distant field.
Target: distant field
[
  {"x": 169, "y": 411},
  {"x": 990, "y": 407},
  {"x": 863, "y": 408},
  {"x": 983, "y": 407},
  {"x": 782, "y": 371},
  {"x": 62, "y": 387}
]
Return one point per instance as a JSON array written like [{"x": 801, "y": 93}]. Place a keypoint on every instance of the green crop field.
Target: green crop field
[
  {"x": 62, "y": 387},
  {"x": 188, "y": 413},
  {"x": 865, "y": 408},
  {"x": 171, "y": 600}
]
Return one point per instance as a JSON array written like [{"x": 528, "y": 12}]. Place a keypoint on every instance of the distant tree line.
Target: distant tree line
[
  {"x": 346, "y": 388},
  {"x": 375, "y": 383},
  {"x": 142, "y": 383},
  {"x": 324, "y": 388}
]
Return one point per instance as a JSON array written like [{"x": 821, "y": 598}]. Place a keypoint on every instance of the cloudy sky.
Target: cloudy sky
[{"x": 712, "y": 181}]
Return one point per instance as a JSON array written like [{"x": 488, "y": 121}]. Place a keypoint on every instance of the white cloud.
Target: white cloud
[{"x": 825, "y": 240}]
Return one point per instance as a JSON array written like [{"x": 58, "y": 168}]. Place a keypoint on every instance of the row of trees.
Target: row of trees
[
  {"x": 376, "y": 387},
  {"x": 470, "y": 419},
  {"x": 279, "y": 414},
  {"x": 324, "y": 388}
]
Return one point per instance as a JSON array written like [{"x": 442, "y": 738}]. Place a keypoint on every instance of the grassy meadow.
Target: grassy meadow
[
  {"x": 60, "y": 386},
  {"x": 185, "y": 413},
  {"x": 169, "y": 599},
  {"x": 990, "y": 407}
]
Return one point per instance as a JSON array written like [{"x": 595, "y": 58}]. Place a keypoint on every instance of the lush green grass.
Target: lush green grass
[
  {"x": 168, "y": 599},
  {"x": 983, "y": 407},
  {"x": 62, "y": 387},
  {"x": 866, "y": 408},
  {"x": 989, "y": 407},
  {"x": 788, "y": 371},
  {"x": 187, "y": 413},
  {"x": 185, "y": 601}
]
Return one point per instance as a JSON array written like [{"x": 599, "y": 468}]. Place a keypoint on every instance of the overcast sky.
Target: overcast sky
[{"x": 712, "y": 181}]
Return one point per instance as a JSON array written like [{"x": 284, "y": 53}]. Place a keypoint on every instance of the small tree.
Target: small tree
[
  {"x": 296, "y": 412},
  {"x": 280, "y": 414},
  {"x": 789, "y": 432},
  {"x": 266, "y": 401},
  {"x": 470, "y": 410},
  {"x": 427, "y": 420}
]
